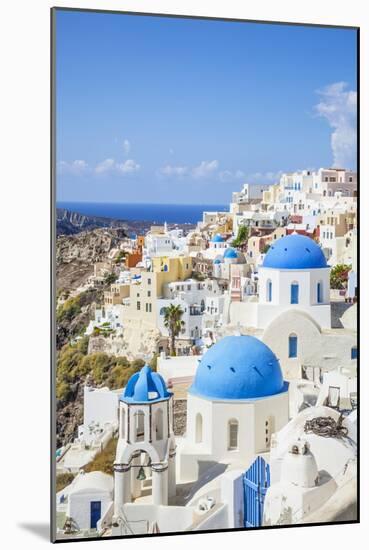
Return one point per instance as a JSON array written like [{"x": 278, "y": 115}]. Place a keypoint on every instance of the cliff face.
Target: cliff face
[
  {"x": 88, "y": 246},
  {"x": 69, "y": 417},
  {"x": 71, "y": 223},
  {"x": 76, "y": 254}
]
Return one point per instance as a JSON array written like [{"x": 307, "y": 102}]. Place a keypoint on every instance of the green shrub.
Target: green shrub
[
  {"x": 242, "y": 236},
  {"x": 154, "y": 362},
  {"x": 339, "y": 276},
  {"x": 73, "y": 366},
  {"x": 68, "y": 310},
  {"x": 62, "y": 390},
  {"x": 104, "y": 460},
  {"x": 110, "y": 278}
]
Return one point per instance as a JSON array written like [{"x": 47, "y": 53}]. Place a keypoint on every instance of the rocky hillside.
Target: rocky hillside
[
  {"x": 69, "y": 416},
  {"x": 71, "y": 223},
  {"x": 88, "y": 246},
  {"x": 76, "y": 254},
  {"x": 73, "y": 316}
]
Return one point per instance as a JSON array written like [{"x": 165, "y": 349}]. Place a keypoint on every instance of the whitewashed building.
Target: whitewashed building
[
  {"x": 293, "y": 313},
  {"x": 89, "y": 498},
  {"x": 237, "y": 400},
  {"x": 146, "y": 441},
  {"x": 313, "y": 478},
  {"x": 108, "y": 318}
]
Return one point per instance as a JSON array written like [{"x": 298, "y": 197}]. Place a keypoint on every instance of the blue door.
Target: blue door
[
  {"x": 255, "y": 483},
  {"x": 95, "y": 513},
  {"x": 294, "y": 293}
]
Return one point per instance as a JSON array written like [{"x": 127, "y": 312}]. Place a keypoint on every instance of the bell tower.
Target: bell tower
[{"x": 146, "y": 444}]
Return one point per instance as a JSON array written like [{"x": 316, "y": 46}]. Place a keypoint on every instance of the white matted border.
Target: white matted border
[{"x": 25, "y": 379}]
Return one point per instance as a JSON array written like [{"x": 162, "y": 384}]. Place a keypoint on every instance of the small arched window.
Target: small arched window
[
  {"x": 159, "y": 424},
  {"x": 294, "y": 293},
  {"x": 269, "y": 290},
  {"x": 198, "y": 428},
  {"x": 319, "y": 292},
  {"x": 122, "y": 423},
  {"x": 292, "y": 345},
  {"x": 139, "y": 425},
  {"x": 233, "y": 434}
]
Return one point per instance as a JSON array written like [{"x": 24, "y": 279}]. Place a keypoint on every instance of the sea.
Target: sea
[{"x": 158, "y": 213}]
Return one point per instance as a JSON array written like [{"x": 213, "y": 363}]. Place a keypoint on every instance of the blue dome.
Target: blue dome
[
  {"x": 230, "y": 253},
  {"x": 217, "y": 239},
  {"x": 145, "y": 386},
  {"x": 295, "y": 252},
  {"x": 238, "y": 367},
  {"x": 217, "y": 261}
]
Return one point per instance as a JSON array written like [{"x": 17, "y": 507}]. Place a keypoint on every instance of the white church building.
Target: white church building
[
  {"x": 146, "y": 440},
  {"x": 293, "y": 313},
  {"x": 237, "y": 400},
  {"x": 238, "y": 429},
  {"x": 294, "y": 274}
]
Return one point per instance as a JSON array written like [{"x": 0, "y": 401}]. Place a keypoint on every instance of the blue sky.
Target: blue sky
[{"x": 174, "y": 110}]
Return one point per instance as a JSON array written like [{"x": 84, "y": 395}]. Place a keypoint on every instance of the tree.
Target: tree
[
  {"x": 173, "y": 322},
  {"x": 242, "y": 236},
  {"x": 110, "y": 278},
  {"x": 120, "y": 256},
  {"x": 198, "y": 276},
  {"x": 339, "y": 276}
]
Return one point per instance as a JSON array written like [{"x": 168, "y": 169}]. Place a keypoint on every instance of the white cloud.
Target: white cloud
[
  {"x": 106, "y": 165},
  {"x": 109, "y": 165},
  {"x": 76, "y": 167},
  {"x": 126, "y": 147},
  {"x": 128, "y": 167},
  {"x": 170, "y": 170},
  {"x": 264, "y": 177},
  {"x": 338, "y": 107},
  {"x": 205, "y": 168},
  {"x": 228, "y": 175}
]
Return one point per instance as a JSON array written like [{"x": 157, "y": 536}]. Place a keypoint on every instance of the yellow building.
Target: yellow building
[
  {"x": 270, "y": 196},
  {"x": 341, "y": 221},
  {"x": 116, "y": 294},
  {"x": 144, "y": 292}
]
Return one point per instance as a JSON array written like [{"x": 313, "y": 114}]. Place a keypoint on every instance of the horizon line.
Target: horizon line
[{"x": 138, "y": 203}]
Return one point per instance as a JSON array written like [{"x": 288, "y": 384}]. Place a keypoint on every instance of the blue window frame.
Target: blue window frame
[
  {"x": 319, "y": 293},
  {"x": 354, "y": 352},
  {"x": 269, "y": 291},
  {"x": 292, "y": 346},
  {"x": 294, "y": 293}
]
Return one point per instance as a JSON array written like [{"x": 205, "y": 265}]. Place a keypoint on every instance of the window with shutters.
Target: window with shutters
[{"x": 233, "y": 435}]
